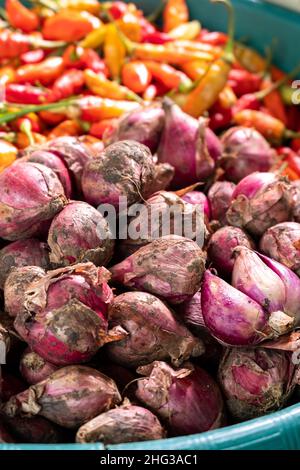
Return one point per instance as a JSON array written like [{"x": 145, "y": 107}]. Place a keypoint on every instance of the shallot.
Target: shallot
[{"x": 219, "y": 196}]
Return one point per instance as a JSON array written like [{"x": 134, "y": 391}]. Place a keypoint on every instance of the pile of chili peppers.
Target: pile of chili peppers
[{"x": 71, "y": 67}]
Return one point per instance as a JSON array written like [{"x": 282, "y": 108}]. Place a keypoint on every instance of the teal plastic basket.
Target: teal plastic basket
[{"x": 259, "y": 24}]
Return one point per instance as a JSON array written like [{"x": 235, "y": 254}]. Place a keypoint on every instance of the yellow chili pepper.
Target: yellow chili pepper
[
  {"x": 92, "y": 6},
  {"x": 195, "y": 69},
  {"x": 106, "y": 88},
  {"x": 130, "y": 25},
  {"x": 94, "y": 39},
  {"x": 114, "y": 51},
  {"x": 250, "y": 59},
  {"x": 175, "y": 13},
  {"x": 7, "y": 75},
  {"x": 8, "y": 154},
  {"x": 227, "y": 97},
  {"x": 186, "y": 30}
]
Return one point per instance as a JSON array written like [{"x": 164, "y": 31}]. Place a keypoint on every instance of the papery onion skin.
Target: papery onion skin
[
  {"x": 170, "y": 267},
  {"x": 69, "y": 397},
  {"x": 282, "y": 243},
  {"x": 30, "y": 194},
  {"x": 79, "y": 233},
  {"x": 125, "y": 168},
  {"x": 163, "y": 175},
  {"x": 128, "y": 423},
  {"x": 187, "y": 399},
  {"x": 154, "y": 333},
  {"x": 245, "y": 151},
  {"x": 221, "y": 247},
  {"x": 255, "y": 381},
  {"x": 219, "y": 196},
  {"x": 231, "y": 316},
  {"x": 29, "y": 252},
  {"x": 34, "y": 368}
]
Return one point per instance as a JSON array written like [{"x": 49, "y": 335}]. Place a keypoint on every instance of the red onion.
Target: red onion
[
  {"x": 10, "y": 385},
  {"x": 260, "y": 201},
  {"x": 56, "y": 164},
  {"x": 219, "y": 197},
  {"x": 198, "y": 198},
  {"x": 191, "y": 312},
  {"x": 282, "y": 243},
  {"x": 153, "y": 332},
  {"x": 65, "y": 316},
  {"x": 255, "y": 381},
  {"x": 128, "y": 423},
  {"x": 245, "y": 151},
  {"x": 29, "y": 252},
  {"x": 185, "y": 136},
  {"x": 231, "y": 316},
  {"x": 16, "y": 285},
  {"x": 80, "y": 233},
  {"x": 125, "y": 169},
  {"x": 30, "y": 193},
  {"x": 163, "y": 175},
  {"x": 164, "y": 213},
  {"x": 144, "y": 125},
  {"x": 187, "y": 399},
  {"x": 69, "y": 397},
  {"x": 34, "y": 368},
  {"x": 221, "y": 247},
  {"x": 5, "y": 437},
  {"x": 170, "y": 267},
  {"x": 35, "y": 430}
]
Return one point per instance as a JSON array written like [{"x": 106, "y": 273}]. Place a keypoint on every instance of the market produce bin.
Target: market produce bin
[{"x": 258, "y": 23}]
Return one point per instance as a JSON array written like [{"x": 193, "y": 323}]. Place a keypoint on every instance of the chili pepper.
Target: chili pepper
[
  {"x": 215, "y": 38},
  {"x": 94, "y": 39},
  {"x": 219, "y": 117},
  {"x": 186, "y": 30},
  {"x": 32, "y": 57},
  {"x": 130, "y": 25},
  {"x": 8, "y": 154},
  {"x": 249, "y": 58},
  {"x": 69, "y": 25},
  {"x": 195, "y": 69},
  {"x": 114, "y": 51},
  {"x": 25, "y": 94},
  {"x": 287, "y": 94},
  {"x": 147, "y": 27},
  {"x": 215, "y": 52},
  {"x": 67, "y": 127},
  {"x": 80, "y": 58},
  {"x": 150, "y": 93},
  {"x": 94, "y": 108},
  {"x": 118, "y": 10},
  {"x": 22, "y": 140},
  {"x": 20, "y": 17},
  {"x": 227, "y": 97},
  {"x": 91, "y": 6},
  {"x": 52, "y": 118},
  {"x": 99, "y": 85},
  {"x": 248, "y": 101},
  {"x": 34, "y": 120},
  {"x": 68, "y": 84},
  {"x": 271, "y": 128},
  {"x": 98, "y": 129},
  {"x": 13, "y": 44},
  {"x": 157, "y": 37},
  {"x": 26, "y": 128},
  {"x": 168, "y": 75},
  {"x": 296, "y": 144},
  {"x": 206, "y": 93},
  {"x": 45, "y": 72},
  {"x": 136, "y": 76},
  {"x": 291, "y": 158},
  {"x": 243, "y": 82},
  {"x": 175, "y": 14},
  {"x": 7, "y": 75},
  {"x": 274, "y": 103}
]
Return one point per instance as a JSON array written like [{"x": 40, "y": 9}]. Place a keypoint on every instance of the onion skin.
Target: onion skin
[
  {"x": 56, "y": 164},
  {"x": 154, "y": 333},
  {"x": 128, "y": 423},
  {"x": 268, "y": 206},
  {"x": 30, "y": 194},
  {"x": 34, "y": 368},
  {"x": 4, "y": 435},
  {"x": 30, "y": 252},
  {"x": 16, "y": 285},
  {"x": 75, "y": 236},
  {"x": 163, "y": 175},
  {"x": 170, "y": 267},
  {"x": 70, "y": 397},
  {"x": 191, "y": 312},
  {"x": 185, "y": 135},
  {"x": 245, "y": 151},
  {"x": 196, "y": 197},
  {"x": 255, "y": 381},
  {"x": 144, "y": 125},
  {"x": 231, "y": 316},
  {"x": 35, "y": 430},
  {"x": 222, "y": 245},
  {"x": 219, "y": 197},
  {"x": 125, "y": 168},
  {"x": 187, "y": 400},
  {"x": 282, "y": 243},
  {"x": 150, "y": 221},
  {"x": 65, "y": 316}
]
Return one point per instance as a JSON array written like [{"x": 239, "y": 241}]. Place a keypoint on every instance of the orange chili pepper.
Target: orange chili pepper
[
  {"x": 130, "y": 25},
  {"x": 99, "y": 128},
  {"x": 44, "y": 72},
  {"x": 274, "y": 103},
  {"x": 7, "y": 75},
  {"x": 20, "y": 17},
  {"x": 69, "y": 25},
  {"x": 227, "y": 97},
  {"x": 8, "y": 154},
  {"x": 168, "y": 75},
  {"x": 51, "y": 118},
  {"x": 68, "y": 127},
  {"x": 136, "y": 76},
  {"x": 114, "y": 51},
  {"x": 94, "y": 108},
  {"x": 175, "y": 13},
  {"x": 195, "y": 69},
  {"x": 23, "y": 141},
  {"x": 100, "y": 86},
  {"x": 150, "y": 93}
]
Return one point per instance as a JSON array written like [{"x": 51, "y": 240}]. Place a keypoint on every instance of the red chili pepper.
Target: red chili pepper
[
  {"x": 220, "y": 117},
  {"x": 150, "y": 93},
  {"x": 21, "y": 17},
  {"x": 12, "y": 44},
  {"x": 44, "y": 72},
  {"x": 118, "y": 10},
  {"x": 32, "y": 57},
  {"x": 147, "y": 27},
  {"x": 25, "y": 94},
  {"x": 98, "y": 129},
  {"x": 291, "y": 158},
  {"x": 248, "y": 101},
  {"x": 156, "y": 38},
  {"x": 215, "y": 38},
  {"x": 35, "y": 123},
  {"x": 80, "y": 58},
  {"x": 68, "y": 84},
  {"x": 243, "y": 82}
]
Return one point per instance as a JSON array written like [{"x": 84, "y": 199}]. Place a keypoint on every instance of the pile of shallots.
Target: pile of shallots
[{"x": 119, "y": 339}]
